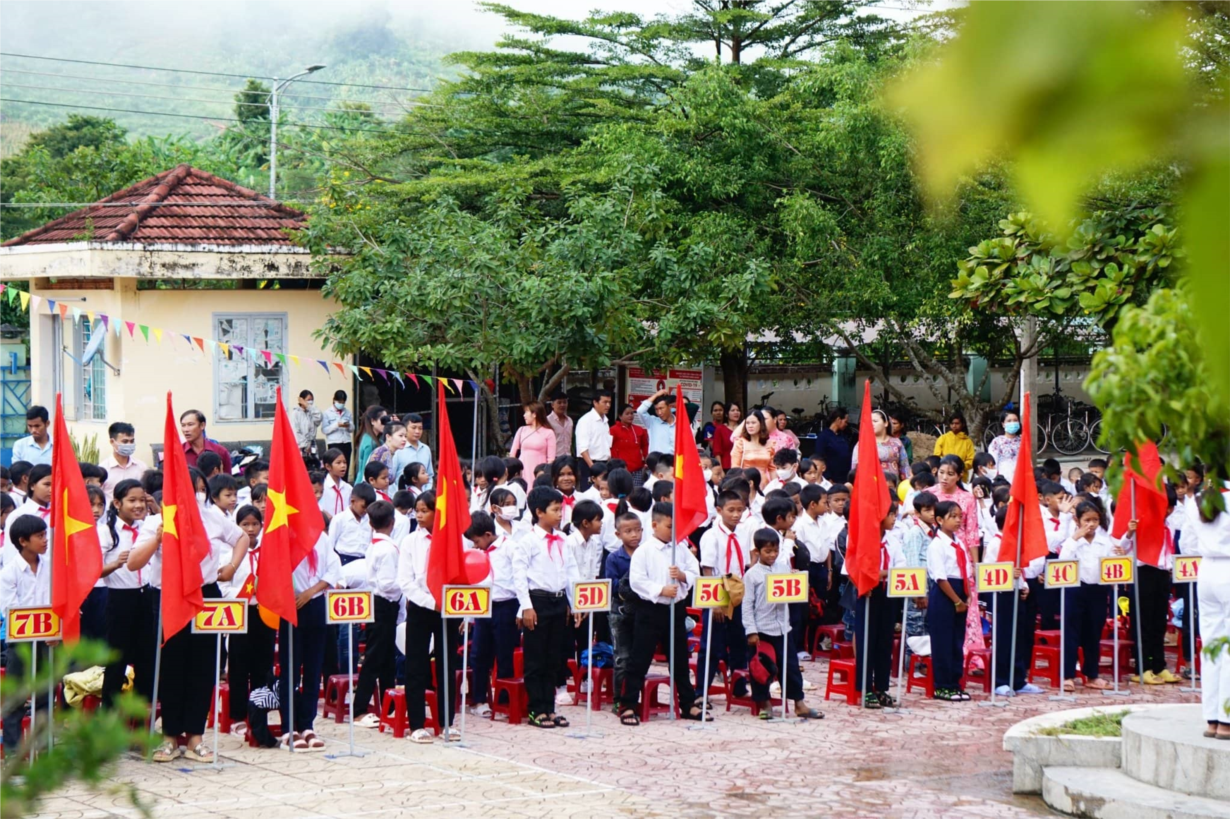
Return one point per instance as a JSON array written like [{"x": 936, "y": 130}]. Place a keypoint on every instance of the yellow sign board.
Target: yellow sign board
[
  {"x": 1061, "y": 574},
  {"x": 222, "y": 617},
  {"x": 346, "y": 606},
  {"x": 907, "y": 582},
  {"x": 1116, "y": 570},
  {"x": 995, "y": 577},
  {"x": 30, "y": 624},
  {"x": 592, "y": 595},
  {"x": 1186, "y": 569},
  {"x": 710, "y": 593},
  {"x": 466, "y": 601},
  {"x": 789, "y": 587}
]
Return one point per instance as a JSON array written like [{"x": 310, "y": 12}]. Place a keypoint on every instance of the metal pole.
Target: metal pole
[
  {"x": 704, "y": 697},
  {"x": 465, "y": 670},
  {"x": 1016, "y": 614},
  {"x": 784, "y": 659},
  {"x": 994, "y": 649},
  {"x": 34, "y": 696},
  {"x": 589, "y": 673},
  {"x": 1140, "y": 648},
  {"x": 153, "y": 706},
  {"x": 444, "y": 682},
  {"x": 1191, "y": 633},
  {"x": 289, "y": 730},
  {"x": 217, "y": 694},
  {"x": 350, "y": 674},
  {"x": 1114, "y": 609},
  {"x": 1063, "y": 608},
  {"x": 905, "y": 616},
  {"x": 671, "y": 659},
  {"x": 273, "y": 141},
  {"x": 866, "y": 643},
  {"x": 51, "y": 698}
]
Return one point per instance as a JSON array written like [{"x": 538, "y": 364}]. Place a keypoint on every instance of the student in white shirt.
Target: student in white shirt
[
  {"x": 1012, "y": 672},
  {"x": 785, "y": 470},
  {"x": 495, "y": 637},
  {"x": 379, "y": 660},
  {"x": 661, "y": 575},
  {"x": 336, "y": 495},
  {"x": 127, "y": 593},
  {"x": 376, "y": 475},
  {"x": 542, "y": 569},
  {"x": 948, "y": 566},
  {"x": 1154, "y": 578},
  {"x": 250, "y": 655},
  {"x": 725, "y": 550},
  {"x": 350, "y": 535},
  {"x": 564, "y": 479},
  {"x": 1087, "y": 604},
  {"x": 25, "y": 581},
  {"x": 1210, "y": 538},
  {"x": 254, "y": 474},
  {"x": 37, "y": 504},
  {"x": 1057, "y": 506}
]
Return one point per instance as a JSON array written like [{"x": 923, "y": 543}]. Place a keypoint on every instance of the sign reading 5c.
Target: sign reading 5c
[{"x": 710, "y": 593}]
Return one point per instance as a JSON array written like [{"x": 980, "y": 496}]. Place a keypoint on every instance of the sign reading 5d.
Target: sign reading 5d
[
  {"x": 710, "y": 593},
  {"x": 786, "y": 588},
  {"x": 907, "y": 582},
  {"x": 592, "y": 595},
  {"x": 346, "y": 606},
  {"x": 30, "y": 624},
  {"x": 466, "y": 601}
]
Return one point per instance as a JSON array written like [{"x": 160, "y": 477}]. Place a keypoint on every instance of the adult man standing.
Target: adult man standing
[
  {"x": 562, "y": 424},
  {"x": 35, "y": 448},
  {"x": 338, "y": 425},
  {"x": 192, "y": 425},
  {"x": 415, "y": 451},
  {"x": 594, "y": 431},
  {"x": 121, "y": 465},
  {"x": 305, "y": 420},
  {"x": 661, "y": 423},
  {"x": 833, "y": 447}
]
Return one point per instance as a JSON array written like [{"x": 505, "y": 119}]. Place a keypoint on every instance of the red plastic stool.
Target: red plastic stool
[
  {"x": 988, "y": 673},
  {"x": 224, "y": 724},
  {"x": 747, "y": 702},
  {"x": 928, "y": 679},
  {"x": 336, "y": 689},
  {"x": 398, "y": 721},
  {"x": 603, "y": 678},
  {"x": 841, "y": 680},
  {"x": 518, "y": 699},
  {"x": 1051, "y": 671},
  {"x": 835, "y": 633},
  {"x": 1047, "y": 637},
  {"x": 649, "y": 696},
  {"x": 1106, "y": 656},
  {"x": 90, "y": 703}
]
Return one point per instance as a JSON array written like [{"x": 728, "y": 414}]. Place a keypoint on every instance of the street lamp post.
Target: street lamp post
[{"x": 273, "y": 125}]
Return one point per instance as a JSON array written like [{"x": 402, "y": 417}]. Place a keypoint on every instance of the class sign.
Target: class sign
[
  {"x": 1061, "y": 574},
  {"x": 790, "y": 587},
  {"x": 592, "y": 595},
  {"x": 345, "y": 606},
  {"x": 710, "y": 593},
  {"x": 466, "y": 601},
  {"x": 1186, "y": 569},
  {"x": 222, "y": 617},
  {"x": 25, "y": 625},
  {"x": 1116, "y": 570},
  {"x": 995, "y": 577},
  {"x": 907, "y": 582}
]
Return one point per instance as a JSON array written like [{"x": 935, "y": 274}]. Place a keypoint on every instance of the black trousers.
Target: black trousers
[
  {"x": 947, "y": 629},
  {"x": 188, "y": 676},
  {"x": 425, "y": 627},
  {"x": 1154, "y": 612},
  {"x": 249, "y": 662},
  {"x": 1013, "y": 670},
  {"x": 879, "y": 630},
  {"x": 1086, "y": 616},
  {"x": 543, "y": 650},
  {"x": 785, "y": 654},
  {"x": 15, "y": 669},
  {"x": 495, "y": 640},
  {"x": 1048, "y": 604},
  {"x": 131, "y": 635},
  {"x": 380, "y": 657},
  {"x": 653, "y": 627},
  {"x": 303, "y": 675},
  {"x": 94, "y": 614},
  {"x": 728, "y": 643}
]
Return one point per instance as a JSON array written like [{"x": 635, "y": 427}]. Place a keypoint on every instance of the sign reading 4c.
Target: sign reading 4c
[
  {"x": 1061, "y": 574},
  {"x": 466, "y": 601}
]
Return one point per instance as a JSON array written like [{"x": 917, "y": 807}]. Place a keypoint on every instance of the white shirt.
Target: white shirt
[
  {"x": 401, "y": 527},
  {"x": 594, "y": 436},
  {"x": 152, "y": 571},
  {"x": 412, "y": 569},
  {"x": 591, "y": 494},
  {"x": 1058, "y": 529},
  {"x": 811, "y": 533},
  {"x": 649, "y": 571},
  {"x": 382, "y": 561},
  {"x": 942, "y": 561},
  {"x": 21, "y": 586},
  {"x": 224, "y": 534},
  {"x": 990, "y": 554},
  {"x": 336, "y": 497},
  {"x": 723, "y": 556},
  {"x": 348, "y": 535},
  {"x": 116, "y": 473},
  {"x": 243, "y": 572},
  {"x": 1211, "y": 540},
  {"x": 500, "y": 557},
  {"x": 566, "y": 508},
  {"x": 587, "y": 554},
  {"x": 1089, "y": 554},
  {"x": 331, "y": 419},
  {"x": 28, "y": 507},
  {"x": 779, "y": 484},
  {"x": 126, "y": 540},
  {"x": 535, "y": 567},
  {"x": 328, "y": 569}
]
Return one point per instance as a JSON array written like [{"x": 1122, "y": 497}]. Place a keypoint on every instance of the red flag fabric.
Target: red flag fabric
[
  {"x": 1150, "y": 504},
  {"x": 690, "y": 492},
  {"x": 76, "y": 556},
  {"x": 446, "y": 559},
  {"x": 1024, "y": 535},
  {"x": 184, "y": 540},
  {"x": 869, "y": 503},
  {"x": 293, "y": 523}
]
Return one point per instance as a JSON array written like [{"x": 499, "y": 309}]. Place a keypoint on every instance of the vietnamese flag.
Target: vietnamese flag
[
  {"x": 1024, "y": 536},
  {"x": 184, "y": 540},
  {"x": 446, "y": 558},
  {"x": 76, "y": 556},
  {"x": 293, "y": 523},
  {"x": 1151, "y": 503},
  {"x": 869, "y": 504},
  {"x": 690, "y": 492}
]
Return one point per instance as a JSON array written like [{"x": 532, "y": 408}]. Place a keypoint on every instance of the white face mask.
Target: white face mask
[
  {"x": 126, "y": 450},
  {"x": 309, "y": 404},
  {"x": 708, "y": 473},
  {"x": 991, "y": 472},
  {"x": 509, "y": 513},
  {"x": 785, "y": 474},
  {"x": 200, "y": 498}
]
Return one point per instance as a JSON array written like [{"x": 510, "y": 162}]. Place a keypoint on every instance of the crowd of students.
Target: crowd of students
[{"x": 568, "y": 519}]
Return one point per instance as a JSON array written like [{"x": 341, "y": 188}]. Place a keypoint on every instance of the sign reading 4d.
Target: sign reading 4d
[
  {"x": 592, "y": 595},
  {"x": 995, "y": 577},
  {"x": 345, "y": 606},
  {"x": 1186, "y": 569},
  {"x": 710, "y": 593},
  {"x": 1062, "y": 574},
  {"x": 786, "y": 588},
  {"x": 222, "y": 617},
  {"x": 30, "y": 624},
  {"x": 1116, "y": 570},
  {"x": 466, "y": 601}
]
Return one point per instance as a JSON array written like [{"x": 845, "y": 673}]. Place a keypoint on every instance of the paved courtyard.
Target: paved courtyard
[{"x": 936, "y": 760}]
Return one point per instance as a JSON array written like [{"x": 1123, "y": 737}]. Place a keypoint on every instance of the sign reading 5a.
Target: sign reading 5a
[
  {"x": 907, "y": 582},
  {"x": 710, "y": 593},
  {"x": 995, "y": 577},
  {"x": 786, "y": 588},
  {"x": 592, "y": 595},
  {"x": 466, "y": 601},
  {"x": 29, "y": 624},
  {"x": 222, "y": 617},
  {"x": 345, "y": 606},
  {"x": 1061, "y": 574},
  {"x": 1116, "y": 570}
]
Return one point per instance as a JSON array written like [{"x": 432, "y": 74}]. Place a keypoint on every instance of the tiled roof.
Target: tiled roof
[{"x": 182, "y": 206}]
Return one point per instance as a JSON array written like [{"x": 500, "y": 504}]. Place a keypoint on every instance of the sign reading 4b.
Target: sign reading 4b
[
  {"x": 995, "y": 577},
  {"x": 466, "y": 601},
  {"x": 907, "y": 582},
  {"x": 222, "y": 617},
  {"x": 345, "y": 606},
  {"x": 30, "y": 624},
  {"x": 786, "y": 588},
  {"x": 1116, "y": 570},
  {"x": 592, "y": 595},
  {"x": 710, "y": 593}
]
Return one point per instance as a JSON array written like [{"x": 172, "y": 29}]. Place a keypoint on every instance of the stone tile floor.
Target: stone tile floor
[{"x": 935, "y": 760}]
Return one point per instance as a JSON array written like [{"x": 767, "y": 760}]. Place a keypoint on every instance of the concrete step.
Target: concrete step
[
  {"x": 1165, "y": 746},
  {"x": 1106, "y": 793}
]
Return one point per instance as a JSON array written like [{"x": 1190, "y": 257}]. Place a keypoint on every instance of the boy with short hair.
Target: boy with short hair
[
  {"x": 495, "y": 637},
  {"x": 349, "y": 531},
  {"x": 779, "y": 514},
  {"x": 19, "y": 473},
  {"x": 914, "y": 545},
  {"x": 376, "y": 475},
  {"x": 209, "y": 463},
  {"x": 25, "y": 581},
  {"x": 254, "y": 473},
  {"x": 379, "y": 658},
  {"x": 810, "y": 531},
  {"x": 785, "y": 465},
  {"x": 724, "y": 552},
  {"x": 628, "y": 531}
]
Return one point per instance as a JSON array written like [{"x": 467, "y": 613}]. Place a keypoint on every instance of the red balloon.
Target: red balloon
[{"x": 477, "y": 566}]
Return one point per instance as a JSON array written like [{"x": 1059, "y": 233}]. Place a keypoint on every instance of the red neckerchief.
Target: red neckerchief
[
  {"x": 552, "y": 539},
  {"x": 128, "y": 527},
  {"x": 884, "y": 559},
  {"x": 570, "y": 500},
  {"x": 337, "y": 507},
  {"x": 962, "y": 559},
  {"x": 731, "y": 538}
]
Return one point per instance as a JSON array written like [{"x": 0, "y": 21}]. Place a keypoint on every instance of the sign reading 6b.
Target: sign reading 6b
[
  {"x": 710, "y": 593},
  {"x": 592, "y": 595},
  {"x": 466, "y": 601},
  {"x": 786, "y": 588},
  {"x": 29, "y": 624},
  {"x": 1061, "y": 574},
  {"x": 347, "y": 606},
  {"x": 1116, "y": 570},
  {"x": 907, "y": 582}
]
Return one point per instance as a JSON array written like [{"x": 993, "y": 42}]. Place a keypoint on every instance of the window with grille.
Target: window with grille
[
  {"x": 92, "y": 375},
  {"x": 245, "y": 378}
]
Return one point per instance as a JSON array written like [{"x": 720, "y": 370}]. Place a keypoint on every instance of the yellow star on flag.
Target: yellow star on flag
[
  {"x": 442, "y": 505},
  {"x": 281, "y": 512},
  {"x": 71, "y": 524},
  {"x": 168, "y": 521},
  {"x": 678, "y": 466}
]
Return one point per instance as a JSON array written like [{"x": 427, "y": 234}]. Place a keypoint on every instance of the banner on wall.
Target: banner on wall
[{"x": 644, "y": 383}]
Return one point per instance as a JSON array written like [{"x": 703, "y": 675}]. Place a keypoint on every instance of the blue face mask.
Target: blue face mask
[
  {"x": 1012, "y": 428},
  {"x": 339, "y": 405}
]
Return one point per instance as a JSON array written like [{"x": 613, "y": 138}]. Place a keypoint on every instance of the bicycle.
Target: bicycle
[{"x": 1069, "y": 434}]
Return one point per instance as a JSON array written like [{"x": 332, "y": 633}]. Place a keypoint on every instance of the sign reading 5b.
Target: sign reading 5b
[
  {"x": 37, "y": 623},
  {"x": 710, "y": 593},
  {"x": 786, "y": 588},
  {"x": 1061, "y": 574},
  {"x": 907, "y": 582},
  {"x": 346, "y": 606},
  {"x": 466, "y": 601},
  {"x": 222, "y": 617},
  {"x": 592, "y": 595},
  {"x": 1116, "y": 570}
]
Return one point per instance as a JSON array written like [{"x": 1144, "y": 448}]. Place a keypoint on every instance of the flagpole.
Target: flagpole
[
  {"x": 444, "y": 682},
  {"x": 217, "y": 695},
  {"x": 905, "y": 616},
  {"x": 671, "y": 670},
  {"x": 34, "y": 696},
  {"x": 866, "y": 645},
  {"x": 289, "y": 730},
  {"x": 153, "y": 706},
  {"x": 1140, "y": 649}
]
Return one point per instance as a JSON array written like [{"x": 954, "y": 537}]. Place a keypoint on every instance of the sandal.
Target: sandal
[
  {"x": 201, "y": 753},
  {"x": 697, "y": 714},
  {"x": 810, "y": 713},
  {"x": 296, "y": 739},
  {"x": 422, "y": 736},
  {"x": 541, "y": 721},
  {"x": 963, "y": 695},
  {"x": 871, "y": 702},
  {"x": 1069, "y": 686},
  {"x": 1097, "y": 683},
  {"x": 1211, "y": 731},
  {"x": 560, "y": 722},
  {"x": 314, "y": 743},
  {"x": 629, "y": 717},
  {"x": 168, "y": 751},
  {"x": 886, "y": 699},
  {"x": 944, "y": 695}
]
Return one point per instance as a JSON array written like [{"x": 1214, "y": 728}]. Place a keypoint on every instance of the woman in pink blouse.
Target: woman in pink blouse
[
  {"x": 949, "y": 488},
  {"x": 534, "y": 443}
]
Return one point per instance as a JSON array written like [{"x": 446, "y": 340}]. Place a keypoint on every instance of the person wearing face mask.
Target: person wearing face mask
[
  {"x": 1007, "y": 447},
  {"x": 785, "y": 470},
  {"x": 121, "y": 465},
  {"x": 338, "y": 425},
  {"x": 306, "y": 420},
  {"x": 984, "y": 467}
]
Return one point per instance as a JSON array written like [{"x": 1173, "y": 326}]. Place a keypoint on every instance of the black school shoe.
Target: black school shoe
[
  {"x": 871, "y": 702},
  {"x": 886, "y": 700}
]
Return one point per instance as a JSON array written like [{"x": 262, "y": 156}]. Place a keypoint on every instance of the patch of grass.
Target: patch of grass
[{"x": 1098, "y": 725}]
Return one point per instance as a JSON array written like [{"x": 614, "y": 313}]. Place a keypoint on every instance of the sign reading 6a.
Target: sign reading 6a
[
  {"x": 786, "y": 588},
  {"x": 592, "y": 595},
  {"x": 29, "y": 624},
  {"x": 466, "y": 601},
  {"x": 346, "y": 606},
  {"x": 710, "y": 593}
]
